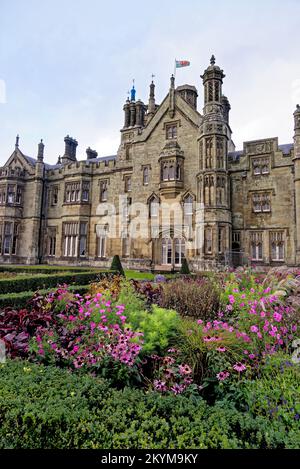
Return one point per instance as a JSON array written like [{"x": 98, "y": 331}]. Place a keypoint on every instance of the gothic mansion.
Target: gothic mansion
[{"x": 168, "y": 152}]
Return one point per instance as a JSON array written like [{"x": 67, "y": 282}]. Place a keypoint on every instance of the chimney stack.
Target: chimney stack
[
  {"x": 91, "y": 154},
  {"x": 70, "y": 148}
]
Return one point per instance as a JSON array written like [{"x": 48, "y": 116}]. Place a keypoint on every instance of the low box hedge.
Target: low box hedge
[
  {"x": 40, "y": 269},
  {"x": 50, "y": 408},
  {"x": 43, "y": 281},
  {"x": 20, "y": 300}
]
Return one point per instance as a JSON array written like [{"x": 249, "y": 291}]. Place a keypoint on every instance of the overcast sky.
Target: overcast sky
[{"x": 66, "y": 66}]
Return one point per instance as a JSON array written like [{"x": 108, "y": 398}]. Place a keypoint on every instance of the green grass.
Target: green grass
[{"x": 136, "y": 275}]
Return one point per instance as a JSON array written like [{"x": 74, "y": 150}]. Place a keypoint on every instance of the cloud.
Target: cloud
[{"x": 2, "y": 92}]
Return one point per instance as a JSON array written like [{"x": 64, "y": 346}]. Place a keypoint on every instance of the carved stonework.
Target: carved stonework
[{"x": 260, "y": 147}]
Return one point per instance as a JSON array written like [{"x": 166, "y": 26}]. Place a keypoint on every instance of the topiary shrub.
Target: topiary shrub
[
  {"x": 116, "y": 265},
  {"x": 185, "y": 267}
]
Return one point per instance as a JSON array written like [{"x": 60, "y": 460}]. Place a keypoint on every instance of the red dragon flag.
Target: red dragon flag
[{"x": 181, "y": 63}]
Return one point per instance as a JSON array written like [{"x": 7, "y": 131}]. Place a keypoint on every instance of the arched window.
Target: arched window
[
  {"x": 146, "y": 175},
  {"x": 179, "y": 246},
  {"x": 171, "y": 173},
  {"x": 188, "y": 205},
  {"x": 166, "y": 251},
  {"x": 153, "y": 207},
  {"x": 178, "y": 172}
]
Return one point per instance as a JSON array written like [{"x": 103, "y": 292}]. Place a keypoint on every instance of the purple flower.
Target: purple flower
[{"x": 223, "y": 375}]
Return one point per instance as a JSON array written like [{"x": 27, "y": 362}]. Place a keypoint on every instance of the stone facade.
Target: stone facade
[{"x": 249, "y": 199}]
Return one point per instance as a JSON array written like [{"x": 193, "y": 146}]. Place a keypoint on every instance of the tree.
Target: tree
[
  {"x": 116, "y": 265},
  {"x": 185, "y": 267}
]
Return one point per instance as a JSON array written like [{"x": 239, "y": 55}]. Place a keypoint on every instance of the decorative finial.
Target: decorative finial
[
  {"x": 298, "y": 107},
  {"x": 133, "y": 91},
  {"x": 212, "y": 60},
  {"x": 152, "y": 76},
  {"x": 172, "y": 81},
  {"x": 41, "y": 147},
  {"x": 17, "y": 141},
  {"x": 59, "y": 160}
]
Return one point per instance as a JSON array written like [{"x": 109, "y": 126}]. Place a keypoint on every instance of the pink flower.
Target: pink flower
[
  {"x": 160, "y": 385},
  {"x": 254, "y": 329},
  {"x": 231, "y": 299},
  {"x": 185, "y": 370},
  {"x": 221, "y": 349},
  {"x": 277, "y": 317},
  {"x": 178, "y": 388},
  {"x": 239, "y": 367},
  {"x": 223, "y": 375}
]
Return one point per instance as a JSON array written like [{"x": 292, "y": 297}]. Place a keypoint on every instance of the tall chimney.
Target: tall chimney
[
  {"x": 70, "y": 148},
  {"x": 91, "y": 154}
]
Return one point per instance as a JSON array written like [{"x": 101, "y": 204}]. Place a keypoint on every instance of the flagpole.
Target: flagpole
[{"x": 175, "y": 68}]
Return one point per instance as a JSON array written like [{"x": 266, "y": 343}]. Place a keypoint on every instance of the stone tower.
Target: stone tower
[
  {"x": 215, "y": 134},
  {"x": 37, "y": 206},
  {"x": 297, "y": 178}
]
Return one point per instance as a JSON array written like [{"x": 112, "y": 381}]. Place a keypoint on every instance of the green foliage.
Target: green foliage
[
  {"x": 134, "y": 274},
  {"x": 20, "y": 300},
  {"x": 49, "y": 408},
  {"x": 133, "y": 303},
  {"x": 198, "y": 298},
  {"x": 42, "y": 268},
  {"x": 185, "y": 270},
  {"x": 116, "y": 265},
  {"x": 275, "y": 393},
  {"x": 42, "y": 281},
  {"x": 159, "y": 326}
]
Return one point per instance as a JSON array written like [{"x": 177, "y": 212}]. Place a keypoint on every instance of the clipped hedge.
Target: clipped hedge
[
  {"x": 20, "y": 300},
  {"x": 40, "y": 281},
  {"x": 42, "y": 269},
  {"x": 50, "y": 408}
]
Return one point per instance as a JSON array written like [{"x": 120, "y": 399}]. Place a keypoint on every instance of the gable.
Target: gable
[
  {"x": 189, "y": 114},
  {"x": 19, "y": 160}
]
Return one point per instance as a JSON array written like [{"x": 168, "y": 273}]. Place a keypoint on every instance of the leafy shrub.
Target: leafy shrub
[
  {"x": 89, "y": 333},
  {"x": 198, "y": 298},
  {"x": 159, "y": 327},
  {"x": 185, "y": 267},
  {"x": 149, "y": 291},
  {"x": 275, "y": 393},
  {"x": 116, "y": 265},
  {"x": 21, "y": 300},
  {"x": 43, "y": 281},
  {"x": 49, "y": 408},
  {"x": 110, "y": 286}
]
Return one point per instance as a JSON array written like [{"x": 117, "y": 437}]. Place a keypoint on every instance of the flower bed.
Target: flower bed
[{"x": 224, "y": 351}]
